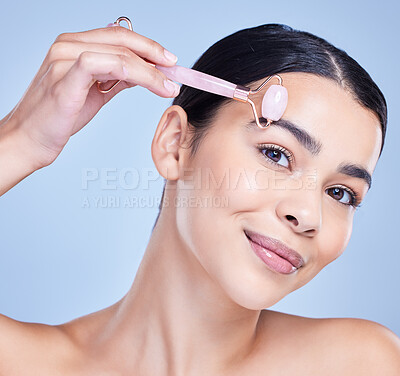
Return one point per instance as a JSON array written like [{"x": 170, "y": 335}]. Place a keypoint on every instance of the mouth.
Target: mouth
[{"x": 275, "y": 254}]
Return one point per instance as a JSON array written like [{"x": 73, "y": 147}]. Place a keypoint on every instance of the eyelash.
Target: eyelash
[
  {"x": 354, "y": 201},
  {"x": 285, "y": 152}
]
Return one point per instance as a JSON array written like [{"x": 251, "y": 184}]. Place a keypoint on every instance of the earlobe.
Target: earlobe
[{"x": 166, "y": 148}]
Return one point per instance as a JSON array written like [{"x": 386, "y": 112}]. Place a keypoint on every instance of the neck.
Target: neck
[{"x": 175, "y": 318}]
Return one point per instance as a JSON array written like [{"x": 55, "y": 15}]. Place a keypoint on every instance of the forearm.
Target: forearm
[{"x": 16, "y": 158}]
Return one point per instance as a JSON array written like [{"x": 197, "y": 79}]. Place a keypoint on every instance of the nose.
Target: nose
[{"x": 301, "y": 211}]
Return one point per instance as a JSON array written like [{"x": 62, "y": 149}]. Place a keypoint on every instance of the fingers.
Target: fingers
[
  {"x": 68, "y": 47},
  {"x": 91, "y": 66},
  {"x": 121, "y": 36},
  {"x": 68, "y": 50}
]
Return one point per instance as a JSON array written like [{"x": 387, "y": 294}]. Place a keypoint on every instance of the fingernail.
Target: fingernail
[
  {"x": 170, "y": 56},
  {"x": 112, "y": 24},
  {"x": 172, "y": 87}
]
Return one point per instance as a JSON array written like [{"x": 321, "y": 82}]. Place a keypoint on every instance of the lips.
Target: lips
[{"x": 277, "y": 247}]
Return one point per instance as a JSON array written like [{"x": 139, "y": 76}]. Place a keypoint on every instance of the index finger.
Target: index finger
[{"x": 144, "y": 47}]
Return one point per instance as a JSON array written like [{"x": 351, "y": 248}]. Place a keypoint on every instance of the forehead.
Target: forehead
[{"x": 346, "y": 130}]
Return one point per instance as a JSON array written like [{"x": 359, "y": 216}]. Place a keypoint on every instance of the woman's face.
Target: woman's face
[{"x": 231, "y": 185}]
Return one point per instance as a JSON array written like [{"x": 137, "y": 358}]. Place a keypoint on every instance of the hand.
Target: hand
[{"x": 63, "y": 96}]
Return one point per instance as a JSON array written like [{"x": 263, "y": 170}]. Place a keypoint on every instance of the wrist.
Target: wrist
[
  {"x": 16, "y": 146},
  {"x": 17, "y": 160}
]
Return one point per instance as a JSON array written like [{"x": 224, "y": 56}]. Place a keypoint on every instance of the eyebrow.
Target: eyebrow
[
  {"x": 356, "y": 171},
  {"x": 303, "y": 137},
  {"x": 314, "y": 146}
]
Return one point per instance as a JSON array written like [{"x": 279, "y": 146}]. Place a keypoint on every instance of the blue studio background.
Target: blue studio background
[{"x": 68, "y": 248}]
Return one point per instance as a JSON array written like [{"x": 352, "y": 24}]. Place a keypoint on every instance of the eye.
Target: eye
[
  {"x": 343, "y": 193},
  {"x": 275, "y": 154}
]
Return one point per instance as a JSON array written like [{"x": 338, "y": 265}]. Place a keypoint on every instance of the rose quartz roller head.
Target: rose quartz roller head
[{"x": 273, "y": 104}]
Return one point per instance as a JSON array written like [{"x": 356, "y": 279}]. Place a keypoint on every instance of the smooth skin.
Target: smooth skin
[{"x": 197, "y": 304}]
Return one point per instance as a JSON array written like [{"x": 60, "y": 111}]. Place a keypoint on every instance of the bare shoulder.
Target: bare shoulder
[
  {"x": 64, "y": 349},
  {"x": 372, "y": 348},
  {"x": 332, "y": 346},
  {"x": 32, "y": 346}
]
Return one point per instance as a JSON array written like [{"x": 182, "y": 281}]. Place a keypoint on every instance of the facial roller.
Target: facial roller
[{"x": 273, "y": 104}]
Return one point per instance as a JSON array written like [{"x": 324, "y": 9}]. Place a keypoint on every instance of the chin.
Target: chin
[
  {"x": 253, "y": 295},
  {"x": 256, "y": 303}
]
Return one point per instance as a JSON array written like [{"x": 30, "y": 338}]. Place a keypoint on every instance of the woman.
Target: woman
[{"x": 197, "y": 304}]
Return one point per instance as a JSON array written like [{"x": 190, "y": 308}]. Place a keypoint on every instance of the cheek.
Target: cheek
[
  {"x": 211, "y": 199},
  {"x": 334, "y": 237},
  {"x": 203, "y": 208},
  {"x": 243, "y": 181}
]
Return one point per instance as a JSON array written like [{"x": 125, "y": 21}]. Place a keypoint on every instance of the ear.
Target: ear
[{"x": 167, "y": 149}]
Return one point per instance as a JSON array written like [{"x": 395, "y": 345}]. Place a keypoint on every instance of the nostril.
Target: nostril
[{"x": 292, "y": 219}]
